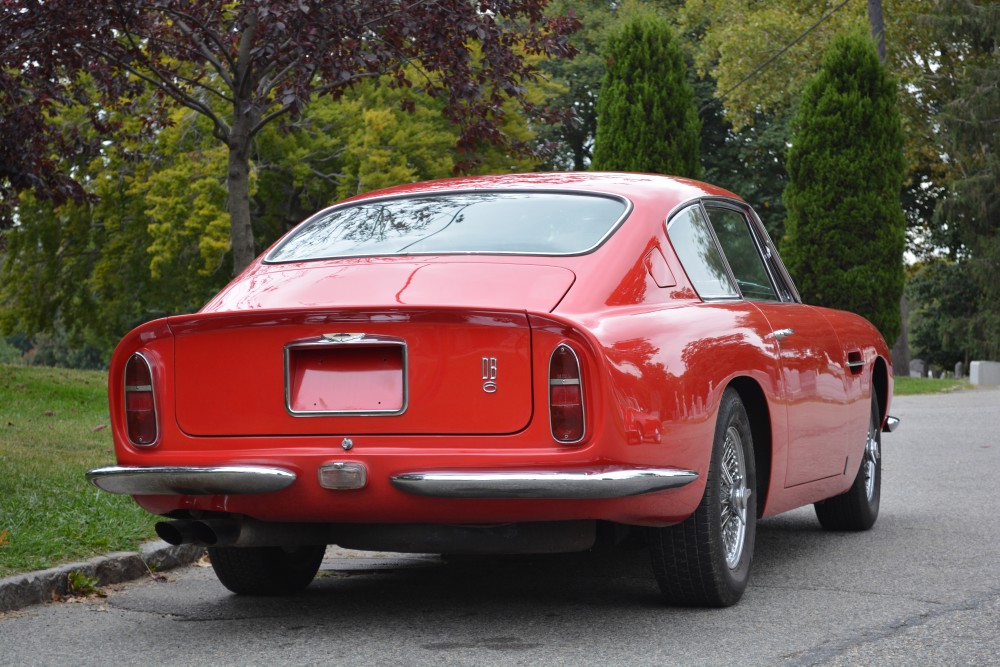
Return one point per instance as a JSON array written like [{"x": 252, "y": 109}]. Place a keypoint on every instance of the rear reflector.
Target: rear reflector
[
  {"x": 140, "y": 403},
  {"x": 565, "y": 396}
]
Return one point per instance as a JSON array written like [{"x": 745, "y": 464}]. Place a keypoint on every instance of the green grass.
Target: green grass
[
  {"x": 53, "y": 428},
  {"x": 907, "y": 386}
]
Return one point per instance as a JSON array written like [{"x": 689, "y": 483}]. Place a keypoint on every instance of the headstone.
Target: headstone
[
  {"x": 960, "y": 370},
  {"x": 984, "y": 372},
  {"x": 918, "y": 368}
]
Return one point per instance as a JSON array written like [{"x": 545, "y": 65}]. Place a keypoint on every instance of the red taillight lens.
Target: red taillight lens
[
  {"x": 565, "y": 395},
  {"x": 140, "y": 406}
]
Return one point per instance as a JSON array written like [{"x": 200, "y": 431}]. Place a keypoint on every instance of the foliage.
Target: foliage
[
  {"x": 152, "y": 240},
  {"x": 53, "y": 427},
  {"x": 734, "y": 42},
  {"x": 970, "y": 211},
  {"x": 947, "y": 314},
  {"x": 646, "y": 120},
  {"x": 242, "y": 65},
  {"x": 79, "y": 584},
  {"x": 845, "y": 226}
]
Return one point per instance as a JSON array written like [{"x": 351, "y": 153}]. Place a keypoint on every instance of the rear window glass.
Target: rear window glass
[{"x": 532, "y": 223}]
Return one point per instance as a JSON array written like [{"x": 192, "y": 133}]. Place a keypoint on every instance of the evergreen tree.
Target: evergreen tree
[
  {"x": 969, "y": 214},
  {"x": 845, "y": 230},
  {"x": 646, "y": 119}
]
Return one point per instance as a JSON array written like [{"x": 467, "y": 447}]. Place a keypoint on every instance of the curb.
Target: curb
[{"x": 22, "y": 590}]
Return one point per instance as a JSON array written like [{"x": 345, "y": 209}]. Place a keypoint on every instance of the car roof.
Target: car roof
[{"x": 634, "y": 186}]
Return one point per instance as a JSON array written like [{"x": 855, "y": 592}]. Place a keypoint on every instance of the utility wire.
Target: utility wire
[{"x": 776, "y": 55}]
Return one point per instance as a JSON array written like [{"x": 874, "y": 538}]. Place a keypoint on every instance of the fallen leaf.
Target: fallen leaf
[
  {"x": 49, "y": 413},
  {"x": 99, "y": 427}
]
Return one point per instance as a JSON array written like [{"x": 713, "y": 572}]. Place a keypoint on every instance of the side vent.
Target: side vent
[
  {"x": 566, "y": 396},
  {"x": 140, "y": 402}
]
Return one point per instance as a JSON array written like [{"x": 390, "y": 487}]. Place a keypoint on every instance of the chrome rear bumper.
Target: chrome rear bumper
[
  {"x": 175, "y": 480},
  {"x": 582, "y": 484},
  {"x": 543, "y": 484}
]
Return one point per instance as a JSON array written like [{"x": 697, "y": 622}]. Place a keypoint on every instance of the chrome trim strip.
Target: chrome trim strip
[
  {"x": 175, "y": 480},
  {"x": 543, "y": 484},
  {"x": 891, "y": 424},
  {"x": 855, "y": 364},
  {"x": 356, "y": 340}
]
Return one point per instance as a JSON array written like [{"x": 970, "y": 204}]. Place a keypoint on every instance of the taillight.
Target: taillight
[
  {"x": 140, "y": 405},
  {"x": 565, "y": 395}
]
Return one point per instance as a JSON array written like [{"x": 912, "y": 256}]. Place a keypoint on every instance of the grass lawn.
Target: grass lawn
[
  {"x": 53, "y": 428},
  {"x": 907, "y": 386}
]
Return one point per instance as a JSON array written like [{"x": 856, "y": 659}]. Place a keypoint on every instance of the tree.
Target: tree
[
  {"x": 968, "y": 215},
  {"x": 845, "y": 226},
  {"x": 243, "y": 65},
  {"x": 150, "y": 236},
  {"x": 646, "y": 120}
]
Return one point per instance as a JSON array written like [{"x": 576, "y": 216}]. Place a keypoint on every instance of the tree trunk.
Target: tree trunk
[
  {"x": 877, "y": 26},
  {"x": 901, "y": 350},
  {"x": 240, "y": 227}
]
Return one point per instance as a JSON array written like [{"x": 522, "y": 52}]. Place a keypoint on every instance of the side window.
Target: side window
[
  {"x": 737, "y": 241},
  {"x": 695, "y": 246}
]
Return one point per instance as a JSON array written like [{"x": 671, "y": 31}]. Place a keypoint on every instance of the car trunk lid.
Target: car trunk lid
[{"x": 353, "y": 371}]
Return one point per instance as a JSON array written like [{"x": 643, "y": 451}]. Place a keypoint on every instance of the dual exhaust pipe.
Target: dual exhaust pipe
[{"x": 244, "y": 532}]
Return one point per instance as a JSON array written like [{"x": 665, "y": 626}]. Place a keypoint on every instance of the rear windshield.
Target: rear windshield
[{"x": 523, "y": 223}]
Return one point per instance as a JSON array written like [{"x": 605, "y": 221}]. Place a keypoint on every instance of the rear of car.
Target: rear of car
[{"x": 392, "y": 363}]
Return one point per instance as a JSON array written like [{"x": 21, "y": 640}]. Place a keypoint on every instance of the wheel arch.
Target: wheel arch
[
  {"x": 880, "y": 385},
  {"x": 755, "y": 403}
]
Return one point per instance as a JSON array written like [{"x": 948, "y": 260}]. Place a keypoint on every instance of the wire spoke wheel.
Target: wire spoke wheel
[
  {"x": 705, "y": 560},
  {"x": 734, "y": 497},
  {"x": 857, "y": 509}
]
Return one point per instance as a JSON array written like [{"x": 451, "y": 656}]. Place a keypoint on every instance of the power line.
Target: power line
[{"x": 778, "y": 54}]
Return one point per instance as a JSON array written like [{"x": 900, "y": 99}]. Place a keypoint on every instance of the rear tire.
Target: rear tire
[
  {"x": 266, "y": 570},
  {"x": 705, "y": 561},
  {"x": 857, "y": 509}
]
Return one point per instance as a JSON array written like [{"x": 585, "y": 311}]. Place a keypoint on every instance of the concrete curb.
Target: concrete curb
[{"x": 22, "y": 590}]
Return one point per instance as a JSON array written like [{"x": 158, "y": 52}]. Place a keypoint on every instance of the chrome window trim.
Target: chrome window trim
[
  {"x": 365, "y": 340},
  {"x": 697, "y": 203},
  {"x": 456, "y": 191},
  {"x": 761, "y": 237},
  {"x": 775, "y": 263},
  {"x": 754, "y": 232},
  {"x": 140, "y": 387}
]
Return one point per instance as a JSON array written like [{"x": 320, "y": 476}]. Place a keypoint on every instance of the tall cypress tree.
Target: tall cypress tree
[
  {"x": 845, "y": 230},
  {"x": 646, "y": 119}
]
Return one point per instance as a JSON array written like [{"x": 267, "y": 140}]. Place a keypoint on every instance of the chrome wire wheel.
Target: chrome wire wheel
[
  {"x": 857, "y": 508},
  {"x": 869, "y": 466},
  {"x": 734, "y": 497}
]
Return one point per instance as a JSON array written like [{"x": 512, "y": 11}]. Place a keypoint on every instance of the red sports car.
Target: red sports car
[{"x": 504, "y": 364}]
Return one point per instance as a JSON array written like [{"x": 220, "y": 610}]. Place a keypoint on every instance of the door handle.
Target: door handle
[{"x": 783, "y": 333}]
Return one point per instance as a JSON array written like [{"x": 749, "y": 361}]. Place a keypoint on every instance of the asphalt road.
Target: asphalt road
[{"x": 921, "y": 588}]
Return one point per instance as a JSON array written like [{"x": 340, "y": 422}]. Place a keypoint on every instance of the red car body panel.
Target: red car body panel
[{"x": 654, "y": 358}]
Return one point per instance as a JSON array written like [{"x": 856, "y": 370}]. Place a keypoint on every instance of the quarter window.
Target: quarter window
[{"x": 694, "y": 243}]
